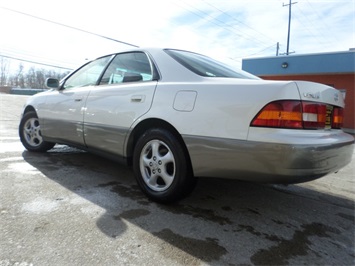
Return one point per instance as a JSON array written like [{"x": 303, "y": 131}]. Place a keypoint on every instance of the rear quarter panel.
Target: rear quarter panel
[{"x": 223, "y": 108}]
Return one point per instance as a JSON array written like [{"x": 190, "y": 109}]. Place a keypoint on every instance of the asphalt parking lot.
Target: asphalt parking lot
[{"x": 68, "y": 207}]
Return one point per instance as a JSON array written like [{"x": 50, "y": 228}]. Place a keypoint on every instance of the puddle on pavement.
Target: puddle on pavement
[
  {"x": 196, "y": 212},
  {"x": 287, "y": 249},
  {"x": 206, "y": 250},
  {"x": 132, "y": 214}
]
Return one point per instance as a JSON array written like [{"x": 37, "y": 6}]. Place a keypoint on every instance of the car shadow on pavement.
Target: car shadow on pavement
[{"x": 224, "y": 221}]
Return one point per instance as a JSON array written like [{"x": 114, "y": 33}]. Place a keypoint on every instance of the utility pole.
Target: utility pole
[
  {"x": 289, "y": 24},
  {"x": 277, "y": 48}
]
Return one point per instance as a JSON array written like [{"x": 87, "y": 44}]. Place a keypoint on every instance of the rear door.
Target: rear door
[{"x": 125, "y": 93}]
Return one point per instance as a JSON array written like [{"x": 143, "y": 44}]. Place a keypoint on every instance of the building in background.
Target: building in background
[{"x": 336, "y": 69}]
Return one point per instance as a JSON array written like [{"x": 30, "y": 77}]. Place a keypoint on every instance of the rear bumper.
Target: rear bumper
[{"x": 269, "y": 162}]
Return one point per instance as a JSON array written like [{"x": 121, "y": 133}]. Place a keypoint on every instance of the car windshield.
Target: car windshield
[{"x": 205, "y": 66}]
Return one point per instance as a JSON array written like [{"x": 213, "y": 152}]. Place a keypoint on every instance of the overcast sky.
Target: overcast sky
[{"x": 227, "y": 30}]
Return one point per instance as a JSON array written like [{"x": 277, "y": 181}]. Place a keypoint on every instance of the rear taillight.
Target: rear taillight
[
  {"x": 314, "y": 115},
  {"x": 338, "y": 117},
  {"x": 297, "y": 115},
  {"x": 282, "y": 114}
]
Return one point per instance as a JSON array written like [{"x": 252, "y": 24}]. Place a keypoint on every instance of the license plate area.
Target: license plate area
[{"x": 328, "y": 117}]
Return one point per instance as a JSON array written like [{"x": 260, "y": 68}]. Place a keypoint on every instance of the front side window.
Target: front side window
[
  {"x": 128, "y": 67},
  {"x": 87, "y": 75},
  {"x": 205, "y": 66}
]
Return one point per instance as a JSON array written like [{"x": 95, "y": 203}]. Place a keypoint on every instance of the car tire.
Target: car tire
[
  {"x": 30, "y": 134},
  {"x": 161, "y": 166}
]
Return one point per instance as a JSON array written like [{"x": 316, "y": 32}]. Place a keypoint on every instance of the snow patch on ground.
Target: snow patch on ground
[
  {"x": 23, "y": 167},
  {"x": 11, "y": 159},
  {"x": 11, "y": 147},
  {"x": 40, "y": 205}
]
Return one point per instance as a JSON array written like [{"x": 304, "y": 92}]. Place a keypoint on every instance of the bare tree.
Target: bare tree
[
  {"x": 33, "y": 78},
  {"x": 4, "y": 70},
  {"x": 20, "y": 79},
  {"x": 40, "y": 79},
  {"x": 30, "y": 78}
]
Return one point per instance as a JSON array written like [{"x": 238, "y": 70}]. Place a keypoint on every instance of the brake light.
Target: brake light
[
  {"x": 293, "y": 114},
  {"x": 281, "y": 114},
  {"x": 338, "y": 117}
]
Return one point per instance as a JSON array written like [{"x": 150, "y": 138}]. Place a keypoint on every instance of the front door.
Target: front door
[{"x": 63, "y": 112}]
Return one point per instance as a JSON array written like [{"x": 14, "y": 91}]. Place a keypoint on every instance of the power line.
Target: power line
[
  {"x": 34, "y": 62},
  {"x": 309, "y": 29},
  {"x": 266, "y": 48},
  {"x": 323, "y": 22},
  {"x": 221, "y": 24},
  {"x": 240, "y": 22},
  {"x": 70, "y": 27},
  {"x": 27, "y": 55}
]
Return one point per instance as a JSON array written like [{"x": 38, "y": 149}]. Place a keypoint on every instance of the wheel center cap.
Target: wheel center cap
[{"x": 155, "y": 166}]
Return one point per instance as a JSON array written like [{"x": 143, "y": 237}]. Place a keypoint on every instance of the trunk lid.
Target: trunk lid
[{"x": 315, "y": 92}]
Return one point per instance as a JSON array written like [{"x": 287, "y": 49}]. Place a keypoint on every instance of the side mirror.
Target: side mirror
[{"x": 52, "y": 83}]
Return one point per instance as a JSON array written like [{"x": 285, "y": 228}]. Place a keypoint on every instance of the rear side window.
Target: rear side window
[
  {"x": 205, "y": 66},
  {"x": 128, "y": 67}
]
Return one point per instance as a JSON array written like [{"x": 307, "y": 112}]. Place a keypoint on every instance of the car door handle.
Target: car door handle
[
  {"x": 137, "y": 98},
  {"x": 78, "y": 100}
]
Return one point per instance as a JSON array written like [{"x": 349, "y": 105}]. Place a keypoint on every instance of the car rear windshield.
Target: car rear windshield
[{"x": 205, "y": 66}]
